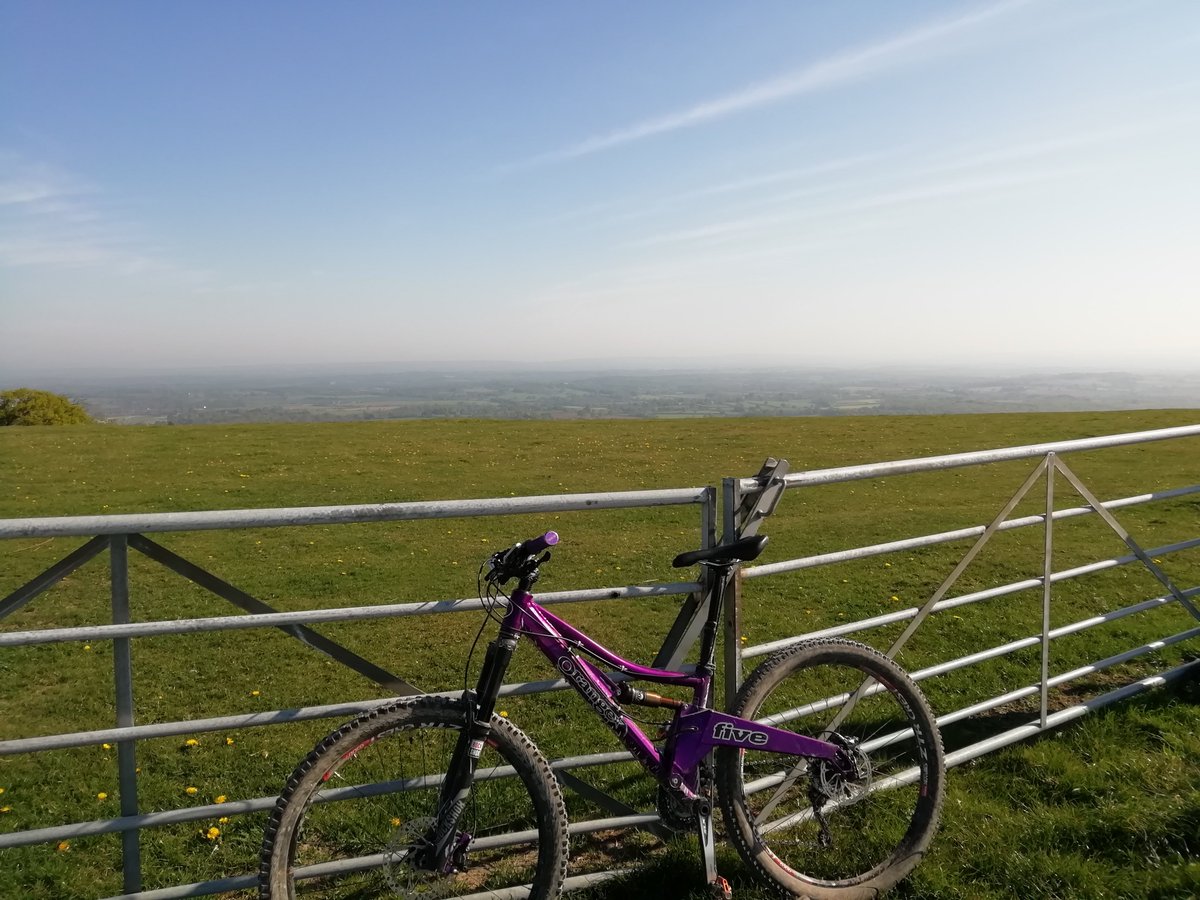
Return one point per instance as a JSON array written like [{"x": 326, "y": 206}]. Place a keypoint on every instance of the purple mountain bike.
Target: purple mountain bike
[{"x": 827, "y": 768}]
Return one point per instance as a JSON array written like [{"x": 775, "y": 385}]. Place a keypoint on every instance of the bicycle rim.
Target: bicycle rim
[
  {"x": 878, "y": 819},
  {"x": 370, "y": 806}
]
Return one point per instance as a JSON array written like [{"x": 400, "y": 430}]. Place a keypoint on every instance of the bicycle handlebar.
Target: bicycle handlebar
[
  {"x": 521, "y": 559},
  {"x": 538, "y": 544}
]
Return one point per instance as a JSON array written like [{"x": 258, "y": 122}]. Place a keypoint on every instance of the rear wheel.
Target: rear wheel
[
  {"x": 357, "y": 814},
  {"x": 816, "y": 829}
]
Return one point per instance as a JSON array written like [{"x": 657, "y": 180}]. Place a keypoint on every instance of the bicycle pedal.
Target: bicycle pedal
[{"x": 720, "y": 889}]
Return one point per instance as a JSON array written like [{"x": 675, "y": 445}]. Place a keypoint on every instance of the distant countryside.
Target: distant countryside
[{"x": 360, "y": 393}]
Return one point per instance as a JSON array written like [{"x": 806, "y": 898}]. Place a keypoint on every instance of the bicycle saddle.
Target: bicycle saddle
[{"x": 724, "y": 554}]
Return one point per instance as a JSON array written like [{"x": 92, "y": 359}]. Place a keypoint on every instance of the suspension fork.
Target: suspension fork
[{"x": 460, "y": 773}]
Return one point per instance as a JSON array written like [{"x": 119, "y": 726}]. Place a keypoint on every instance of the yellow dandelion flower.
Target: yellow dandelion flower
[
  {"x": 395, "y": 823},
  {"x": 4, "y": 809},
  {"x": 228, "y": 742},
  {"x": 1, "y": 790},
  {"x": 224, "y": 820},
  {"x": 212, "y": 834},
  {"x": 220, "y": 798},
  {"x": 64, "y": 846},
  {"x": 894, "y": 597},
  {"x": 102, "y": 796},
  {"x": 85, "y": 647},
  {"x": 255, "y": 693},
  {"x": 191, "y": 742},
  {"x": 106, "y": 746},
  {"x": 504, "y": 713},
  {"x": 191, "y": 791}
]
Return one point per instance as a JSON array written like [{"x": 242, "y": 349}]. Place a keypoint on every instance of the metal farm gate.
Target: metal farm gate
[{"x": 745, "y": 505}]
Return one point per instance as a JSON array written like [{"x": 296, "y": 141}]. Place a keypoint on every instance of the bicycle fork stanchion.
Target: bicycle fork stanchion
[{"x": 463, "y": 761}]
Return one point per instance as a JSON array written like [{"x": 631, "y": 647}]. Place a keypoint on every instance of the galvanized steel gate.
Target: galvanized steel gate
[{"x": 747, "y": 502}]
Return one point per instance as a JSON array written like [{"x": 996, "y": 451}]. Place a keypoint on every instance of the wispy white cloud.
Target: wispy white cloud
[
  {"x": 1047, "y": 146},
  {"x": 752, "y": 183},
  {"x": 962, "y": 170},
  {"x": 933, "y": 190},
  {"x": 52, "y": 218},
  {"x": 835, "y": 71}
]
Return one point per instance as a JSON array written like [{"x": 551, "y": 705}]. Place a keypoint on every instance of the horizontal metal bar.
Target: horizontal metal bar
[
  {"x": 963, "y": 600},
  {"x": 950, "y": 718},
  {"x": 975, "y": 458},
  {"x": 234, "y": 808},
  {"x": 43, "y": 743},
  {"x": 146, "y": 523},
  {"x": 1053, "y": 634},
  {"x": 254, "y": 720},
  {"x": 1059, "y": 680},
  {"x": 988, "y": 745},
  {"x": 378, "y": 860},
  {"x": 966, "y": 754},
  {"x": 196, "y": 889},
  {"x": 929, "y": 540},
  {"x": 979, "y": 656},
  {"x": 340, "y": 614},
  {"x": 244, "y": 882}
]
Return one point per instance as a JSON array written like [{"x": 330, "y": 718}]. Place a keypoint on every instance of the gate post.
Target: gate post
[
  {"x": 744, "y": 513},
  {"x": 131, "y": 853}
]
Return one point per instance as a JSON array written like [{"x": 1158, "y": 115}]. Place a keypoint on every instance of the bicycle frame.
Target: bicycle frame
[{"x": 694, "y": 730}]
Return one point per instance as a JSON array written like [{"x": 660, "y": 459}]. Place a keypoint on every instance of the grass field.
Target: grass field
[{"x": 1107, "y": 807}]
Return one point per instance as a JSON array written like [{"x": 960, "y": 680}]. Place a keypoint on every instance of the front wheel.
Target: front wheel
[
  {"x": 357, "y": 815},
  {"x": 821, "y": 830}
]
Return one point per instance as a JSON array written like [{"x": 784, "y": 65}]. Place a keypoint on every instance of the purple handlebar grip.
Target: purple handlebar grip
[{"x": 538, "y": 544}]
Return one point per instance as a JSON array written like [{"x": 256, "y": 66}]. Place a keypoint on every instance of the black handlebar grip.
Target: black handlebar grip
[{"x": 536, "y": 545}]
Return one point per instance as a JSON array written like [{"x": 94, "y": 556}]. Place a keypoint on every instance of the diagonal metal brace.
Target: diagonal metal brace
[
  {"x": 1124, "y": 535},
  {"x": 797, "y": 770},
  {"x": 690, "y": 621},
  {"x": 302, "y": 633},
  {"x": 52, "y": 575}
]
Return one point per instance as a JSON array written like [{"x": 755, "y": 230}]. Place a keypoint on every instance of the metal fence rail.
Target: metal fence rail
[
  {"x": 119, "y": 533},
  {"x": 748, "y": 501},
  {"x": 746, "y": 504}
]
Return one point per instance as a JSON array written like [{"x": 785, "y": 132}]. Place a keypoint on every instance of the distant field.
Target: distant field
[{"x": 1109, "y": 807}]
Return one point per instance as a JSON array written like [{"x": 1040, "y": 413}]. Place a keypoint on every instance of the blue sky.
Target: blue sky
[{"x": 868, "y": 183}]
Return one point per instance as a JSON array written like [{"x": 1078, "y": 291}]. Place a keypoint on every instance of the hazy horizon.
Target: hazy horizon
[
  {"x": 993, "y": 183},
  {"x": 631, "y": 365}
]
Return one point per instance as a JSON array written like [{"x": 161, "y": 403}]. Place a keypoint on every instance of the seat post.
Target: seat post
[{"x": 708, "y": 636}]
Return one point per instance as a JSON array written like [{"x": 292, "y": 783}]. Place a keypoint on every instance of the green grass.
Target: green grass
[{"x": 1110, "y": 807}]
